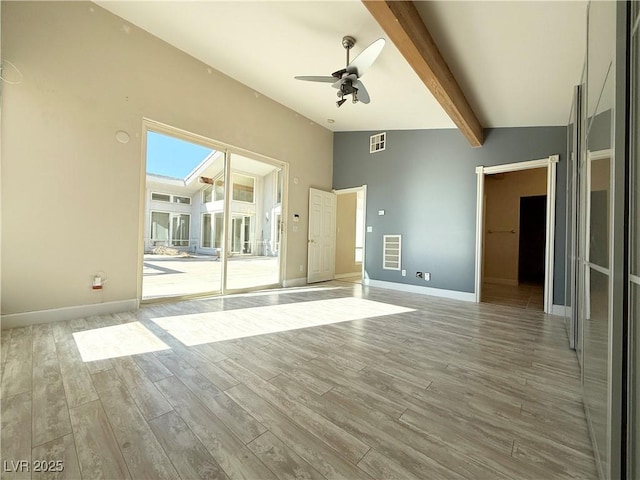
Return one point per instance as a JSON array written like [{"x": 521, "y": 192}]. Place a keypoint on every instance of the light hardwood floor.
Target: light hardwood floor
[{"x": 403, "y": 387}]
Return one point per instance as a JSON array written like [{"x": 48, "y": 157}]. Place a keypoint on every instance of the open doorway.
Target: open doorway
[
  {"x": 350, "y": 225},
  {"x": 513, "y": 255},
  {"x": 514, "y": 234},
  {"x": 533, "y": 229}
]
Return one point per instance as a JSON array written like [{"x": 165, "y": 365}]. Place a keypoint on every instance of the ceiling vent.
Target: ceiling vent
[
  {"x": 391, "y": 252},
  {"x": 378, "y": 142}
]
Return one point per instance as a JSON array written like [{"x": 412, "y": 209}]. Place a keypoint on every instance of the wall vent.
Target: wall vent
[
  {"x": 378, "y": 142},
  {"x": 391, "y": 252}
]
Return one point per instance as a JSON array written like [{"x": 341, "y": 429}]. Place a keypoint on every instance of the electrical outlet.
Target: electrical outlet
[
  {"x": 426, "y": 276},
  {"x": 404, "y": 273},
  {"x": 419, "y": 275},
  {"x": 302, "y": 268}
]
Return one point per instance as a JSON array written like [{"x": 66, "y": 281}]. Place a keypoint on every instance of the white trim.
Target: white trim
[
  {"x": 347, "y": 275},
  {"x": 344, "y": 191},
  {"x": 549, "y": 251},
  {"x": 549, "y": 162},
  {"x": 434, "y": 292},
  {"x": 516, "y": 167},
  {"x": 559, "y": 310},
  {"x": 14, "y": 320},
  {"x": 479, "y": 231},
  {"x": 501, "y": 281},
  {"x": 295, "y": 282}
]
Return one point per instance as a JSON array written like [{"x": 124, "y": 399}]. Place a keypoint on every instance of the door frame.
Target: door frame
[
  {"x": 228, "y": 150},
  {"x": 549, "y": 255},
  {"x": 363, "y": 189}
]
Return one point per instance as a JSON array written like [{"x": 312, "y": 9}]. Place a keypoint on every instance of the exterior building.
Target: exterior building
[{"x": 187, "y": 214}]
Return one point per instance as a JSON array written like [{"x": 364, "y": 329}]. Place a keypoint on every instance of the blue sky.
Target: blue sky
[{"x": 172, "y": 157}]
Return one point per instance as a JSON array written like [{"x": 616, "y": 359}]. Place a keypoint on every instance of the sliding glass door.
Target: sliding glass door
[
  {"x": 212, "y": 225},
  {"x": 255, "y": 226}
]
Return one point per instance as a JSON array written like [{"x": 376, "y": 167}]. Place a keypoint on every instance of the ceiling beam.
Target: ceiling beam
[{"x": 402, "y": 23}]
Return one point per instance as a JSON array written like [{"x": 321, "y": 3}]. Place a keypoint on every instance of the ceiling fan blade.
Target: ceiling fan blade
[
  {"x": 363, "y": 95},
  {"x": 366, "y": 58},
  {"x": 308, "y": 78}
]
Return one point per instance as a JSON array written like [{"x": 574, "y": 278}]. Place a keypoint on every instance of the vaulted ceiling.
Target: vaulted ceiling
[{"x": 515, "y": 61}]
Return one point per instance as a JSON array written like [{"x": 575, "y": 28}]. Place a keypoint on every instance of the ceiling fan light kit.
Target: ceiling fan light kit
[{"x": 347, "y": 80}]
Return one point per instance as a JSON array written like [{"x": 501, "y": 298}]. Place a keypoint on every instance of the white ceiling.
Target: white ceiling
[{"x": 516, "y": 61}]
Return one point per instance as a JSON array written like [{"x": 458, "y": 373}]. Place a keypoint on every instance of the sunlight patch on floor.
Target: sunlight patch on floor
[
  {"x": 117, "y": 341},
  {"x": 199, "y": 328}
]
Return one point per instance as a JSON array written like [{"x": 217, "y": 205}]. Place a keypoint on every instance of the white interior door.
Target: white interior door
[{"x": 322, "y": 236}]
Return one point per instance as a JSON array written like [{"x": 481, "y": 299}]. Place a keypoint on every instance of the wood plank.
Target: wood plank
[
  {"x": 144, "y": 393},
  {"x": 98, "y": 453},
  {"x": 187, "y": 453},
  {"x": 319, "y": 455},
  {"x": 345, "y": 444},
  {"x": 151, "y": 366},
  {"x": 236, "y": 418},
  {"x": 50, "y": 416},
  {"x": 15, "y": 435},
  {"x": 190, "y": 377},
  {"x": 95, "y": 322},
  {"x": 60, "y": 457},
  {"x": 17, "y": 376},
  {"x": 410, "y": 456},
  {"x": 142, "y": 452},
  {"x": 282, "y": 460},
  {"x": 380, "y": 466},
  {"x": 5, "y": 337},
  {"x": 402, "y": 23},
  {"x": 77, "y": 382},
  {"x": 229, "y": 452}
]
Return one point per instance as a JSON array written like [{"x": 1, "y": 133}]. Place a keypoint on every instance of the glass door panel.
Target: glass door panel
[
  {"x": 596, "y": 230},
  {"x": 183, "y": 237},
  {"x": 255, "y": 224},
  {"x": 634, "y": 251}
]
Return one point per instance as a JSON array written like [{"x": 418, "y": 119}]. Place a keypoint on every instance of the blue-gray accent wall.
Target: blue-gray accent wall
[{"x": 425, "y": 181}]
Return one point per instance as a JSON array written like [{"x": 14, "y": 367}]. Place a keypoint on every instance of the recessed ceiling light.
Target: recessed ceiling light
[{"x": 330, "y": 120}]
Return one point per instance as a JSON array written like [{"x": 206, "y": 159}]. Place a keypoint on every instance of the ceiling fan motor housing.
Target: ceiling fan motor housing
[{"x": 348, "y": 42}]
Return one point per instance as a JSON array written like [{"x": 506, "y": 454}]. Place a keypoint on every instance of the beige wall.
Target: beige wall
[
  {"x": 346, "y": 234},
  {"x": 502, "y": 212},
  {"x": 71, "y": 192}
]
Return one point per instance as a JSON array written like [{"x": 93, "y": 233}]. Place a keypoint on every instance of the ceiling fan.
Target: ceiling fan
[{"x": 347, "y": 80}]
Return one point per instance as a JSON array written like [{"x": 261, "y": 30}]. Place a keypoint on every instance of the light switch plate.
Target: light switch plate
[
  {"x": 369, "y": 229},
  {"x": 380, "y": 212}
]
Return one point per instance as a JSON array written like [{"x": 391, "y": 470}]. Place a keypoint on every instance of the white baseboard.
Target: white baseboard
[
  {"x": 435, "y": 292},
  {"x": 295, "y": 282},
  {"x": 559, "y": 310},
  {"x": 25, "y": 319},
  {"x": 500, "y": 281},
  {"x": 347, "y": 275}
]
